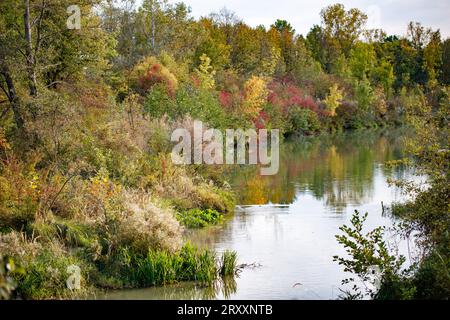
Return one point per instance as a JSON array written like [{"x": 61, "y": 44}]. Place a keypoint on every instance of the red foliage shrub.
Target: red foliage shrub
[
  {"x": 156, "y": 75},
  {"x": 196, "y": 81},
  {"x": 286, "y": 95},
  {"x": 231, "y": 101},
  {"x": 226, "y": 99},
  {"x": 261, "y": 120},
  {"x": 152, "y": 77},
  {"x": 309, "y": 103}
]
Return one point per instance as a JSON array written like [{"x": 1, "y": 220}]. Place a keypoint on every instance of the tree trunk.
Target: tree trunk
[
  {"x": 12, "y": 95},
  {"x": 153, "y": 28},
  {"x": 29, "y": 51}
]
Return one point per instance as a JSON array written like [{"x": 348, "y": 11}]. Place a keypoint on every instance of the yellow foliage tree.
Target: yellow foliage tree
[
  {"x": 269, "y": 64},
  {"x": 334, "y": 99},
  {"x": 205, "y": 73},
  {"x": 255, "y": 91},
  {"x": 3, "y": 142}
]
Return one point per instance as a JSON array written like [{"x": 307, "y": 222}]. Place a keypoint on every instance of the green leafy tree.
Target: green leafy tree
[
  {"x": 342, "y": 27},
  {"x": 282, "y": 26},
  {"x": 362, "y": 60},
  {"x": 445, "y": 74},
  {"x": 285, "y": 34},
  {"x": 315, "y": 42},
  {"x": 213, "y": 44},
  {"x": 245, "y": 52},
  {"x": 432, "y": 57},
  {"x": 36, "y": 44},
  {"x": 364, "y": 94},
  {"x": 383, "y": 74},
  {"x": 304, "y": 67},
  {"x": 405, "y": 60}
]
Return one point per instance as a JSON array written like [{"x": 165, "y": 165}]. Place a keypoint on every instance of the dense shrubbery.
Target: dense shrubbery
[
  {"x": 188, "y": 100},
  {"x": 303, "y": 121},
  {"x": 108, "y": 187}
]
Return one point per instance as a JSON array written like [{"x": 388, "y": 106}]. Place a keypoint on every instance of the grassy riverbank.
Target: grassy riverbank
[{"x": 101, "y": 193}]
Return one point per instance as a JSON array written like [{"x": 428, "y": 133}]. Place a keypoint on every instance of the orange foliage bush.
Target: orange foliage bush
[{"x": 150, "y": 72}]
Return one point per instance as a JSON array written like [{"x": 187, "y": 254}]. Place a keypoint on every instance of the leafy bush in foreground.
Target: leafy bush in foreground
[{"x": 7, "y": 282}]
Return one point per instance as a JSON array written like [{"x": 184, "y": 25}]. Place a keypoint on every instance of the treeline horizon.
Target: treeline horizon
[{"x": 339, "y": 30}]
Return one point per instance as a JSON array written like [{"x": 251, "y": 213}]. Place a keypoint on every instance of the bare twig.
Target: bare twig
[{"x": 60, "y": 190}]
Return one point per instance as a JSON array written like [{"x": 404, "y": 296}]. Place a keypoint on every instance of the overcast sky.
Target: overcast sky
[{"x": 390, "y": 15}]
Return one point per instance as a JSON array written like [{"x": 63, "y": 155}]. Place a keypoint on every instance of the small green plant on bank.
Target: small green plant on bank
[
  {"x": 46, "y": 276},
  {"x": 197, "y": 218},
  {"x": 7, "y": 283},
  {"x": 366, "y": 252}
]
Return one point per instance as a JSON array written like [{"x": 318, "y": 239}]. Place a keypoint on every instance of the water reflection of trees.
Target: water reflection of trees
[
  {"x": 222, "y": 287},
  {"x": 339, "y": 170}
]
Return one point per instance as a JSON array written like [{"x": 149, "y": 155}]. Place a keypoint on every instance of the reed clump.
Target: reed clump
[
  {"x": 228, "y": 263},
  {"x": 188, "y": 264}
]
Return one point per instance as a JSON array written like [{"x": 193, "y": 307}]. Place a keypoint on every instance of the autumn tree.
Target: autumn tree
[
  {"x": 286, "y": 39},
  {"x": 36, "y": 44},
  {"x": 341, "y": 30},
  {"x": 432, "y": 57},
  {"x": 255, "y": 95},
  {"x": 333, "y": 99},
  {"x": 362, "y": 60},
  {"x": 213, "y": 44},
  {"x": 316, "y": 44},
  {"x": 205, "y": 73}
]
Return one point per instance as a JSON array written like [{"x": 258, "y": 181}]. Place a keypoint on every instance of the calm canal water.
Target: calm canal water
[{"x": 285, "y": 225}]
